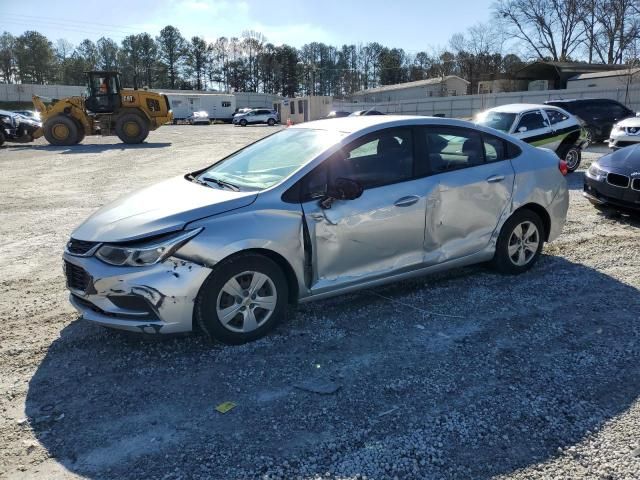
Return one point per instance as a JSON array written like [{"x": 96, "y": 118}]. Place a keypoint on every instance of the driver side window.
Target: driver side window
[{"x": 380, "y": 158}]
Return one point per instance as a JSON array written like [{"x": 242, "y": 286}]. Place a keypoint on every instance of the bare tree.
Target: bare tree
[
  {"x": 551, "y": 28},
  {"x": 611, "y": 26}
]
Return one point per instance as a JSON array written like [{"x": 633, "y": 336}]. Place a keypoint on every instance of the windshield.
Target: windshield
[
  {"x": 272, "y": 159},
  {"x": 498, "y": 120}
]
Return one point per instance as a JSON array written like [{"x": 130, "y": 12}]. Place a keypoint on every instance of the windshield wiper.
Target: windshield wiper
[
  {"x": 222, "y": 183},
  {"x": 193, "y": 178}
]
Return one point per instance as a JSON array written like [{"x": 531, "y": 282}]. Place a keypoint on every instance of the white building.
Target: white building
[
  {"x": 220, "y": 106},
  {"x": 450, "y": 85},
  {"x": 613, "y": 79},
  {"x": 304, "y": 109}
]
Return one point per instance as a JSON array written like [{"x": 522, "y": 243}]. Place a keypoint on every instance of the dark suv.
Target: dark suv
[{"x": 598, "y": 115}]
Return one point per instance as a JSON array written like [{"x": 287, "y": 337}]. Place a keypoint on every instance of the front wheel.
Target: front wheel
[
  {"x": 243, "y": 299},
  {"x": 271, "y": 122},
  {"x": 519, "y": 244},
  {"x": 243, "y": 123},
  {"x": 61, "y": 131}
]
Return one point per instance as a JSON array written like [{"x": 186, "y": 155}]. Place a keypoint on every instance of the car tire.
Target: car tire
[
  {"x": 271, "y": 122},
  {"x": 252, "y": 290},
  {"x": 573, "y": 157},
  {"x": 243, "y": 123},
  {"x": 514, "y": 254},
  {"x": 61, "y": 131},
  {"x": 1, "y": 138},
  {"x": 132, "y": 128}
]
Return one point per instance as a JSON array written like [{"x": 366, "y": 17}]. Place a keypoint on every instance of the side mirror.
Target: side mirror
[
  {"x": 345, "y": 189},
  {"x": 341, "y": 189},
  {"x": 522, "y": 129}
]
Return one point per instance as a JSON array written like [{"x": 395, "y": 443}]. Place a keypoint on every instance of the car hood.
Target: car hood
[
  {"x": 625, "y": 161},
  {"x": 629, "y": 122},
  {"x": 164, "y": 207}
]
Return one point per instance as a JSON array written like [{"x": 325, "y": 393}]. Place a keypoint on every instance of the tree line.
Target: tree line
[{"x": 599, "y": 31}]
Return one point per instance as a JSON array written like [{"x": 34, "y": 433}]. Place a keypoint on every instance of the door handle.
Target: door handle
[
  {"x": 406, "y": 201},
  {"x": 495, "y": 178}
]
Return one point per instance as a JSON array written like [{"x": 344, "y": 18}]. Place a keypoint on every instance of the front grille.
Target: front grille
[
  {"x": 77, "y": 277},
  {"x": 618, "y": 180},
  {"x": 79, "y": 247},
  {"x": 636, "y": 184}
]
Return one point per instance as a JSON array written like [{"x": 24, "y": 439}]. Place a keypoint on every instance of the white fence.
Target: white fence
[
  {"x": 23, "y": 92},
  {"x": 466, "y": 106}
]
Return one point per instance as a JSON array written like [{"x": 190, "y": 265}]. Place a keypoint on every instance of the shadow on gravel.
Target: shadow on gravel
[
  {"x": 575, "y": 180},
  {"x": 467, "y": 374},
  {"x": 96, "y": 148}
]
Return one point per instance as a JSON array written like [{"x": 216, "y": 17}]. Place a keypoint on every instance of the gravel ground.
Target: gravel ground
[{"x": 467, "y": 374}]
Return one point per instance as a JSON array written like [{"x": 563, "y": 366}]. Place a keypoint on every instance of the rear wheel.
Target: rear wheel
[
  {"x": 520, "y": 243},
  {"x": 1, "y": 138},
  {"x": 572, "y": 157},
  {"x": 61, "y": 131},
  {"x": 132, "y": 128},
  {"x": 243, "y": 299}
]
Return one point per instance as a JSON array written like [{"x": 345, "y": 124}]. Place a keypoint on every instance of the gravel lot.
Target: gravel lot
[{"x": 467, "y": 374}]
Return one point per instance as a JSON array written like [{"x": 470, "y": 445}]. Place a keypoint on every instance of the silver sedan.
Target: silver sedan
[{"x": 312, "y": 211}]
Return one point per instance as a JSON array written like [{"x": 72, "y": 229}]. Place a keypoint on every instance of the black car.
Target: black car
[
  {"x": 17, "y": 128},
  {"x": 614, "y": 180},
  {"x": 337, "y": 114},
  {"x": 361, "y": 113},
  {"x": 598, "y": 114}
]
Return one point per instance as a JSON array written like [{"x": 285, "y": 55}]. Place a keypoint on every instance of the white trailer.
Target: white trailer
[{"x": 221, "y": 106}]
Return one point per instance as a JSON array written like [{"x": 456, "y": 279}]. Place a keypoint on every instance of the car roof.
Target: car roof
[
  {"x": 354, "y": 124},
  {"x": 517, "y": 107},
  {"x": 578, "y": 100}
]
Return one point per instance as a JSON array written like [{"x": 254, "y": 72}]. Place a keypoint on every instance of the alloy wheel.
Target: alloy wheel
[
  {"x": 523, "y": 243},
  {"x": 246, "y": 301},
  {"x": 572, "y": 158}
]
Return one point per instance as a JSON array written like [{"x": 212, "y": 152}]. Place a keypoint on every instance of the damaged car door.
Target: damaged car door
[
  {"x": 381, "y": 231},
  {"x": 474, "y": 186}
]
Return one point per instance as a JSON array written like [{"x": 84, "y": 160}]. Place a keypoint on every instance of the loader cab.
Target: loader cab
[{"x": 103, "y": 95}]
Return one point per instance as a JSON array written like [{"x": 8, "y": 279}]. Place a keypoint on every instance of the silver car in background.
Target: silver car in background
[{"x": 312, "y": 211}]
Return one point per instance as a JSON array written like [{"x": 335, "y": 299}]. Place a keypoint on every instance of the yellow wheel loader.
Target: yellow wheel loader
[{"x": 107, "y": 109}]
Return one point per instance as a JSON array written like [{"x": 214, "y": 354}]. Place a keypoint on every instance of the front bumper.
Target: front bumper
[
  {"x": 154, "y": 299},
  {"x": 623, "y": 139},
  {"x": 602, "y": 193}
]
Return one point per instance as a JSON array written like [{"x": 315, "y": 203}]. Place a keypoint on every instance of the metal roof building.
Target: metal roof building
[{"x": 451, "y": 85}]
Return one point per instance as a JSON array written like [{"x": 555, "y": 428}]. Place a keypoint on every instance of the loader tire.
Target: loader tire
[
  {"x": 61, "y": 131},
  {"x": 132, "y": 128}
]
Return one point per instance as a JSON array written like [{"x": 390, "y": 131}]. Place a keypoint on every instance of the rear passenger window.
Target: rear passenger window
[
  {"x": 496, "y": 149},
  {"x": 452, "y": 149},
  {"x": 556, "y": 116}
]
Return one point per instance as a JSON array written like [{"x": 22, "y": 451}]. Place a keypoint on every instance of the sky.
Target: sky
[{"x": 414, "y": 25}]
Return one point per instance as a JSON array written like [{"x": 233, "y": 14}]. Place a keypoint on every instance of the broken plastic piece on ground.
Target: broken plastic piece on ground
[
  {"x": 225, "y": 407},
  {"x": 322, "y": 387}
]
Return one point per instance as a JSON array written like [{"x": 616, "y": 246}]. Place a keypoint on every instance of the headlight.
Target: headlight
[
  {"x": 596, "y": 172},
  {"x": 143, "y": 253}
]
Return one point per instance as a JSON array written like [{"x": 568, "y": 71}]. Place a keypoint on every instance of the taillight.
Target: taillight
[{"x": 563, "y": 167}]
